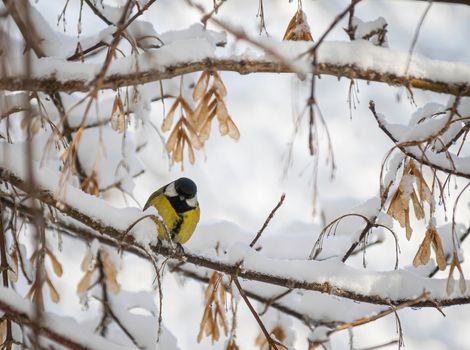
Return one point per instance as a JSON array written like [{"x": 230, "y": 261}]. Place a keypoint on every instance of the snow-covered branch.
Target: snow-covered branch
[
  {"x": 331, "y": 277},
  {"x": 57, "y": 329},
  {"x": 445, "y": 161},
  {"x": 353, "y": 60}
]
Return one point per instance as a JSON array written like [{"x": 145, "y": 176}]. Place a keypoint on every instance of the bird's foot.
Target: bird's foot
[
  {"x": 179, "y": 249},
  {"x": 159, "y": 245}
]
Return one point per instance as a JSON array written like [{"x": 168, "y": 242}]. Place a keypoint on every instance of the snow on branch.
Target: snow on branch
[
  {"x": 306, "y": 310},
  {"x": 354, "y": 60},
  {"x": 411, "y": 145},
  {"x": 58, "y": 329},
  {"x": 331, "y": 276}
]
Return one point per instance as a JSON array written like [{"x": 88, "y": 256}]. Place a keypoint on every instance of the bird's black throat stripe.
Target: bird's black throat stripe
[
  {"x": 176, "y": 229},
  {"x": 179, "y": 205}
]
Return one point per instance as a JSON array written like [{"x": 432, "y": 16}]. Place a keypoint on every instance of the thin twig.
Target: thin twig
[
  {"x": 268, "y": 219},
  {"x": 98, "y": 13},
  {"x": 415, "y": 37},
  {"x": 423, "y": 159},
  {"x": 4, "y": 267},
  {"x": 371, "y": 318},
  {"x": 333, "y": 24},
  {"x": 273, "y": 344}
]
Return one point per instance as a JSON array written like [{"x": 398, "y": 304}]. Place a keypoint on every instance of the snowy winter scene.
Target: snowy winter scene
[{"x": 234, "y": 174}]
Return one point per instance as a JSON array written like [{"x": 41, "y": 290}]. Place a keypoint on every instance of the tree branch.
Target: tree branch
[
  {"x": 421, "y": 158},
  {"x": 219, "y": 265},
  {"x": 240, "y": 65},
  {"x": 66, "y": 335}
]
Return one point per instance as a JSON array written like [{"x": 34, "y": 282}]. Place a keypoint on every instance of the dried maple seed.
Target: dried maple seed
[
  {"x": 298, "y": 28},
  {"x": 118, "y": 116},
  {"x": 399, "y": 207},
  {"x": 423, "y": 254},
  {"x": 214, "y": 314},
  {"x": 455, "y": 263}
]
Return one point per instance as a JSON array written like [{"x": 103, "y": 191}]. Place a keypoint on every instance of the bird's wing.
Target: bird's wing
[{"x": 153, "y": 195}]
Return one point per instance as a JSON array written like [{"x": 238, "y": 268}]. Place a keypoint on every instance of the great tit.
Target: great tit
[{"x": 178, "y": 207}]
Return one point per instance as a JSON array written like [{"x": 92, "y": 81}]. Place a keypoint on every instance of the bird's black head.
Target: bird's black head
[{"x": 185, "y": 187}]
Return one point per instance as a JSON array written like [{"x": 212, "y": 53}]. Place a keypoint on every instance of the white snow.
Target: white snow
[
  {"x": 362, "y": 54},
  {"x": 64, "y": 326}
]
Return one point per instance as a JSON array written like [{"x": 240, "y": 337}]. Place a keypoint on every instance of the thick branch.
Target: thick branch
[
  {"x": 81, "y": 233},
  {"x": 242, "y": 66},
  {"x": 221, "y": 266}
]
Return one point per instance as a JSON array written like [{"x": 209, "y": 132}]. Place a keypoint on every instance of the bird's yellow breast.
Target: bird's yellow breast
[{"x": 180, "y": 226}]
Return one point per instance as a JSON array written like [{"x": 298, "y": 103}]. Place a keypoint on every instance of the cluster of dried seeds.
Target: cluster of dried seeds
[
  {"x": 90, "y": 267},
  {"x": 35, "y": 292},
  {"x": 414, "y": 188},
  {"x": 424, "y": 251},
  {"x": 194, "y": 126},
  {"x": 214, "y": 311},
  {"x": 455, "y": 263},
  {"x": 399, "y": 207}
]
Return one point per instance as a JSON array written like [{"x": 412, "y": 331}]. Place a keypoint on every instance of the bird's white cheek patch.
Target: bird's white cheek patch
[
  {"x": 192, "y": 202},
  {"x": 170, "y": 190}
]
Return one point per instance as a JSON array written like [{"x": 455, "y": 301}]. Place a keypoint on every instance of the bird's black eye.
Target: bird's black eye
[{"x": 185, "y": 187}]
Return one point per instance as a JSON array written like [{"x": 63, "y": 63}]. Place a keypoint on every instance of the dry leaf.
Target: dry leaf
[
  {"x": 90, "y": 184},
  {"x": 399, "y": 207},
  {"x": 85, "y": 282},
  {"x": 423, "y": 188},
  {"x": 298, "y": 28},
  {"x": 417, "y": 207},
  {"x": 186, "y": 108},
  {"x": 192, "y": 137},
  {"x": 173, "y": 139},
  {"x": 277, "y": 332},
  {"x": 55, "y": 297},
  {"x": 168, "y": 120},
  {"x": 232, "y": 345},
  {"x": 191, "y": 156},
  {"x": 35, "y": 295},
  {"x": 110, "y": 271},
  {"x": 233, "y": 131},
  {"x": 439, "y": 251},
  {"x": 424, "y": 251},
  {"x": 201, "y": 86},
  {"x": 118, "y": 116},
  {"x": 56, "y": 265},
  {"x": 194, "y": 126},
  {"x": 219, "y": 86},
  {"x": 222, "y": 113},
  {"x": 88, "y": 263},
  {"x": 214, "y": 315},
  {"x": 178, "y": 151},
  {"x": 455, "y": 263}
]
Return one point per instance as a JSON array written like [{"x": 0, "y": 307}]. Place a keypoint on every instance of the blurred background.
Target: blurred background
[{"x": 242, "y": 181}]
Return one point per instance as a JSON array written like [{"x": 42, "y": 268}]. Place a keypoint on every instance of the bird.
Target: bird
[{"x": 177, "y": 205}]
